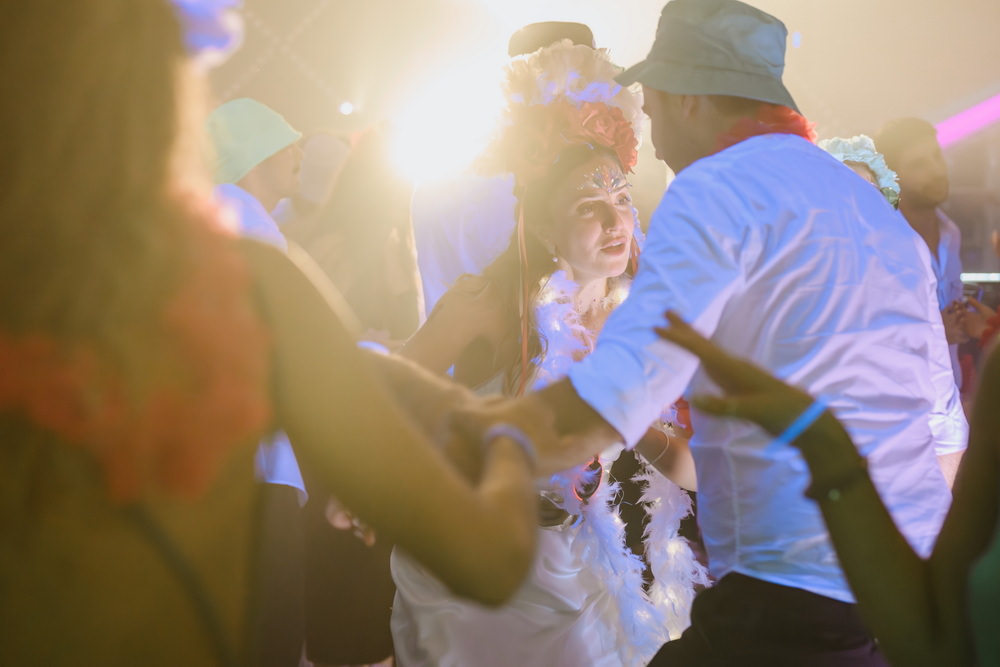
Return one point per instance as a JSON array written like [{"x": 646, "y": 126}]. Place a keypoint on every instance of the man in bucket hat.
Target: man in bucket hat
[
  {"x": 778, "y": 253},
  {"x": 257, "y": 164}
]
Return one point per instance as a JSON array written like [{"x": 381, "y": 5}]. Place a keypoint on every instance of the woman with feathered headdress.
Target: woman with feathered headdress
[{"x": 569, "y": 139}]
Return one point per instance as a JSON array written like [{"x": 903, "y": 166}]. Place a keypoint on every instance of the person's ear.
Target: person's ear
[
  {"x": 691, "y": 105},
  {"x": 543, "y": 239},
  {"x": 549, "y": 245}
]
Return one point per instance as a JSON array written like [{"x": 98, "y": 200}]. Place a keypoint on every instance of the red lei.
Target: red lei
[
  {"x": 770, "y": 119},
  {"x": 213, "y": 397}
]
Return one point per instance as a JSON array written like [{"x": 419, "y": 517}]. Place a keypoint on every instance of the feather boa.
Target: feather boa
[
  {"x": 645, "y": 621},
  {"x": 676, "y": 571}
]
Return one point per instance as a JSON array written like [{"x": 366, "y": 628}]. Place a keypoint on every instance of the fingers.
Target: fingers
[
  {"x": 981, "y": 307},
  {"x": 772, "y": 409},
  {"x": 749, "y": 407},
  {"x": 716, "y": 405},
  {"x": 751, "y": 393},
  {"x": 342, "y": 519},
  {"x": 734, "y": 375},
  {"x": 681, "y": 333}
]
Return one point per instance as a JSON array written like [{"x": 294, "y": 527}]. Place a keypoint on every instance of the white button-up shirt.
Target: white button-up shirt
[
  {"x": 781, "y": 254},
  {"x": 947, "y": 266}
]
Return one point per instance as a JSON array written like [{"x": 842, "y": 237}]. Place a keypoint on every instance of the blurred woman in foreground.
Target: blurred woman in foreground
[{"x": 144, "y": 350}]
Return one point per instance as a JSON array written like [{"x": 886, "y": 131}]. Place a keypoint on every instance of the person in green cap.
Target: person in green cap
[{"x": 257, "y": 164}]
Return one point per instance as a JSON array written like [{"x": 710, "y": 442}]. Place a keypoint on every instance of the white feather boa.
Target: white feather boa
[{"x": 644, "y": 621}]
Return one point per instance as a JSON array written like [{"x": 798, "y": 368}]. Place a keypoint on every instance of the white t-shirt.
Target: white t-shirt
[
  {"x": 275, "y": 461},
  {"x": 780, "y": 254}
]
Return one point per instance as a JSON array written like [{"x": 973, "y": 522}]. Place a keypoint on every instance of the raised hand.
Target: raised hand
[
  {"x": 750, "y": 392},
  {"x": 975, "y": 320},
  {"x": 953, "y": 318}
]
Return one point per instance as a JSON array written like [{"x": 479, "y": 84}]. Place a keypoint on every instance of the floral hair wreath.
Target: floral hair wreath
[
  {"x": 861, "y": 149},
  {"x": 538, "y": 133}
]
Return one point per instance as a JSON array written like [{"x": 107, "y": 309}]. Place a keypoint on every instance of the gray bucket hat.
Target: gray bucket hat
[{"x": 715, "y": 47}]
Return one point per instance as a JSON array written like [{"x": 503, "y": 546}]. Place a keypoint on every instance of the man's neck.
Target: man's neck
[
  {"x": 925, "y": 221},
  {"x": 256, "y": 189}
]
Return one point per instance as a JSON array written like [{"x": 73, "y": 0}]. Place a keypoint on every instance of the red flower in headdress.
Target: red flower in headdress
[
  {"x": 606, "y": 126},
  {"x": 536, "y": 134}
]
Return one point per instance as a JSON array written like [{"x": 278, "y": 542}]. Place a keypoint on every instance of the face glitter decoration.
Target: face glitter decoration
[
  {"x": 605, "y": 178},
  {"x": 591, "y": 221}
]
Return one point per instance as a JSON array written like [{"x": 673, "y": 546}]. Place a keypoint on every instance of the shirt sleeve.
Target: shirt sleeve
[
  {"x": 949, "y": 427},
  {"x": 689, "y": 265},
  {"x": 953, "y": 269}
]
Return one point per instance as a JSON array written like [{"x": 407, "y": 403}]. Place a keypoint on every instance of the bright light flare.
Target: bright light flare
[
  {"x": 346, "y": 108},
  {"x": 448, "y": 121}
]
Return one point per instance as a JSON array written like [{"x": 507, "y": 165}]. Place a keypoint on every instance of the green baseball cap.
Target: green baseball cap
[{"x": 245, "y": 133}]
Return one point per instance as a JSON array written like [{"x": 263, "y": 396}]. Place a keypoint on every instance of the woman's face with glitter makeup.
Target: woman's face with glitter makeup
[{"x": 592, "y": 220}]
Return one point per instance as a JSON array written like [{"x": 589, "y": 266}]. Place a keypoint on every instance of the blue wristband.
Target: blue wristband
[
  {"x": 802, "y": 422},
  {"x": 515, "y": 435}
]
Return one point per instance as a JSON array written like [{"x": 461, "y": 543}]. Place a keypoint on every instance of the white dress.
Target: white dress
[{"x": 583, "y": 603}]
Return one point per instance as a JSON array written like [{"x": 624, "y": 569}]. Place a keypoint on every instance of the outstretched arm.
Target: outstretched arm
[
  {"x": 566, "y": 430},
  {"x": 343, "y": 421},
  {"x": 468, "y": 311},
  {"x": 916, "y": 608},
  {"x": 427, "y": 398}
]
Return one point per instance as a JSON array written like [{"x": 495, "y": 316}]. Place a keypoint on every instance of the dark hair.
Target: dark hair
[
  {"x": 505, "y": 272},
  {"x": 367, "y": 215},
  {"x": 897, "y": 135}
]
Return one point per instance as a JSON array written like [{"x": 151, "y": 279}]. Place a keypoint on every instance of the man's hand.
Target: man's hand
[
  {"x": 954, "y": 323},
  {"x": 749, "y": 392},
  {"x": 975, "y": 320},
  {"x": 536, "y": 417},
  {"x": 342, "y": 518}
]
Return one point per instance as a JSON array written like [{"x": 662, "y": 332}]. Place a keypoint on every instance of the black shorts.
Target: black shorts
[{"x": 747, "y": 621}]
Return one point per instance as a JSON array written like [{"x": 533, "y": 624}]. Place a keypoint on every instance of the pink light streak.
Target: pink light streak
[{"x": 961, "y": 125}]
